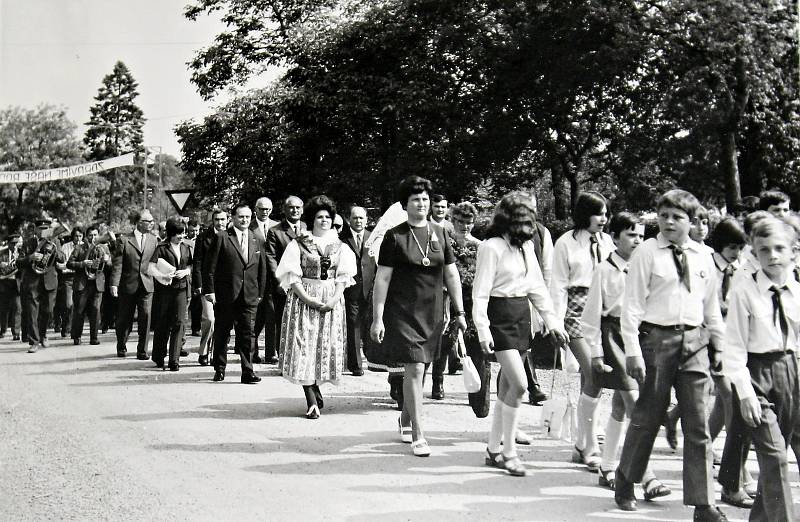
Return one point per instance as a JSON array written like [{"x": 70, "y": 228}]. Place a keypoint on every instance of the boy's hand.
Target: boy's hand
[
  {"x": 751, "y": 411},
  {"x": 635, "y": 368},
  {"x": 598, "y": 366}
]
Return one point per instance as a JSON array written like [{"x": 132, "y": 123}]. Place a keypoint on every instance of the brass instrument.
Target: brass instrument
[
  {"x": 48, "y": 250},
  {"x": 8, "y": 261},
  {"x": 97, "y": 257}
]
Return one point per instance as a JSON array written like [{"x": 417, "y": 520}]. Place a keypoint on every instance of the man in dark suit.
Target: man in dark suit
[
  {"x": 354, "y": 299},
  {"x": 39, "y": 282},
  {"x": 278, "y": 239},
  {"x": 265, "y": 316},
  {"x": 234, "y": 276},
  {"x": 10, "y": 304},
  {"x": 219, "y": 224},
  {"x": 88, "y": 284},
  {"x": 132, "y": 284}
]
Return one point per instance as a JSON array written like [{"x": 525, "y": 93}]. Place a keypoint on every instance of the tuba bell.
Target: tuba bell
[
  {"x": 8, "y": 261},
  {"x": 98, "y": 252},
  {"x": 48, "y": 250}
]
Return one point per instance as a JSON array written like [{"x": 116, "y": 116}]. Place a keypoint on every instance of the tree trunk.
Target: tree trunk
[
  {"x": 559, "y": 198},
  {"x": 729, "y": 168}
]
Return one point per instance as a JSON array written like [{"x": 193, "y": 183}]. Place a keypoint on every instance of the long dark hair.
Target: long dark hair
[{"x": 514, "y": 216}]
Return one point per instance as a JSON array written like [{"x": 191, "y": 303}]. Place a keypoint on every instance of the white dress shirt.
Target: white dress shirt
[
  {"x": 503, "y": 271},
  {"x": 242, "y": 235},
  {"x": 753, "y": 327},
  {"x": 139, "y": 239},
  {"x": 605, "y": 299},
  {"x": 573, "y": 264},
  {"x": 655, "y": 294}
]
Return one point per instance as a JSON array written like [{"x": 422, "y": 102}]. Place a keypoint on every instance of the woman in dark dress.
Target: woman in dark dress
[{"x": 416, "y": 259}]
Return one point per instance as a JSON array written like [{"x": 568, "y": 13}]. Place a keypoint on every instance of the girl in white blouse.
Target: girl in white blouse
[
  {"x": 575, "y": 256},
  {"x": 507, "y": 278}
]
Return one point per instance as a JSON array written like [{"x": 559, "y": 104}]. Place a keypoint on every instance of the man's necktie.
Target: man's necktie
[
  {"x": 727, "y": 274},
  {"x": 682, "y": 264},
  {"x": 778, "y": 314},
  {"x": 243, "y": 244},
  {"x": 358, "y": 242},
  {"x": 594, "y": 249}
]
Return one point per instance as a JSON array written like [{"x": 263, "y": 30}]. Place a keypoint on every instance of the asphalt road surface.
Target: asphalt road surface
[{"x": 88, "y": 436}]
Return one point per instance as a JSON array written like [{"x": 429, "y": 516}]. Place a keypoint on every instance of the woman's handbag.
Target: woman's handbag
[
  {"x": 559, "y": 414},
  {"x": 472, "y": 380}
]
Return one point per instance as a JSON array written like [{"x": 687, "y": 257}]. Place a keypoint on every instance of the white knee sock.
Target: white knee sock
[
  {"x": 614, "y": 431},
  {"x": 587, "y": 411},
  {"x": 510, "y": 417},
  {"x": 496, "y": 431}
]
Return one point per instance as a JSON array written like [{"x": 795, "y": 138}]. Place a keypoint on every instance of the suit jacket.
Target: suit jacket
[
  {"x": 227, "y": 274},
  {"x": 201, "y": 246},
  {"x": 278, "y": 239},
  {"x": 360, "y": 253},
  {"x": 129, "y": 270},
  {"x": 75, "y": 262},
  {"x": 164, "y": 251},
  {"x": 254, "y": 226},
  {"x": 30, "y": 279}
]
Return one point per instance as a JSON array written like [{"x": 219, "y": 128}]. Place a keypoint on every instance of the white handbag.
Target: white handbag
[
  {"x": 472, "y": 381},
  {"x": 559, "y": 415}
]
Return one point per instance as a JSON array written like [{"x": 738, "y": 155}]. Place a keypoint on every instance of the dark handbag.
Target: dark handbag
[{"x": 480, "y": 401}]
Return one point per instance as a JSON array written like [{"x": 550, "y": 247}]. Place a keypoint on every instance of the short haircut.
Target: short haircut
[
  {"x": 410, "y": 186},
  {"x": 513, "y": 216},
  {"x": 622, "y": 221},
  {"x": 90, "y": 228},
  {"x": 701, "y": 213},
  {"x": 753, "y": 218},
  {"x": 288, "y": 199},
  {"x": 239, "y": 205},
  {"x": 76, "y": 230},
  {"x": 748, "y": 204},
  {"x": 770, "y": 226},
  {"x": 463, "y": 211},
  {"x": 437, "y": 198},
  {"x": 587, "y": 204},
  {"x": 354, "y": 207},
  {"x": 175, "y": 225},
  {"x": 772, "y": 197},
  {"x": 727, "y": 232},
  {"x": 680, "y": 199},
  {"x": 192, "y": 223},
  {"x": 136, "y": 215},
  {"x": 218, "y": 210},
  {"x": 314, "y": 205}
]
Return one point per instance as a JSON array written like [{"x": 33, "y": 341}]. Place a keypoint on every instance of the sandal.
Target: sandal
[
  {"x": 421, "y": 448},
  {"x": 607, "y": 478},
  {"x": 313, "y": 412},
  {"x": 514, "y": 466},
  {"x": 653, "y": 488},
  {"x": 591, "y": 461},
  {"x": 522, "y": 438},
  {"x": 494, "y": 460},
  {"x": 404, "y": 431}
]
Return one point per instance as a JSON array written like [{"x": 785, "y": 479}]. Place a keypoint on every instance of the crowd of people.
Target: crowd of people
[{"x": 647, "y": 310}]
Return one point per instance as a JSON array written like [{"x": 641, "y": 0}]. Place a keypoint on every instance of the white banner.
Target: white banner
[{"x": 75, "y": 171}]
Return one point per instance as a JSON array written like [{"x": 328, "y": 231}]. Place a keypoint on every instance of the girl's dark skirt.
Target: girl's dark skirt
[
  {"x": 510, "y": 323},
  {"x": 614, "y": 356}
]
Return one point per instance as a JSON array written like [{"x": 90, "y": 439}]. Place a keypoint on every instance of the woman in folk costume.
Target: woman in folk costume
[{"x": 314, "y": 270}]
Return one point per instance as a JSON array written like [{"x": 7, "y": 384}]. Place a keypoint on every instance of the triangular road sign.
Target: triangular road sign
[{"x": 179, "y": 198}]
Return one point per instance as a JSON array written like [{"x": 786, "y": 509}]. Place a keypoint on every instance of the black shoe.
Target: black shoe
[
  {"x": 456, "y": 368},
  {"x": 142, "y": 356},
  {"x": 708, "y": 514},
  {"x": 203, "y": 360},
  {"x": 122, "y": 353},
  {"x": 173, "y": 367},
  {"x": 184, "y": 353},
  {"x": 103, "y": 330},
  {"x": 358, "y": 372},
  {"x": 94, "y": 342},
  {"x": 624, "y": 495},
  {"x": 250, "y": 379},
  {"x": 63, "y": 334},
  {"x": 15, "y": 337},
  {"x": 159, "y": 364},
  {"x": 257, "y": 359},
  {"x": 536, "y": 396},
  {"x": 271, "y": 360},
  {"x": 219, "y": 375},
  {"x": 76, "y": 341},
  {"x": 437, "y": 393}
]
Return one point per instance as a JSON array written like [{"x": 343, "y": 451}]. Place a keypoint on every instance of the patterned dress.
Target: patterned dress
[{"x": 313, "y": 344}]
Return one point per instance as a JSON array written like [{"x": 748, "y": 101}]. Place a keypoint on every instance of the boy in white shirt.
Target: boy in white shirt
[
  {"x": 671, "y": 292},
  {"x": 761, "y": 343}
]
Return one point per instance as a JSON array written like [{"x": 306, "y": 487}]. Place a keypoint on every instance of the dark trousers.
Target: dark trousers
[
  {"x": 279, "y": 303},
  {"x": 62, "y": 319},
  {"x": 354, "y": 303},
  {"x": 39, "y": 304},
  {"x": 196, "y": 312},
  {"x": 774, "y": 378},
  {"x": 108, "y": 310},
  {"x": 127, "y": 304},
  {"x": 265, "y": 320},
  {"x": 169, "y": 324},
  {"x": 240, "y": 316},
  {"x": 679, "y": 359},
  {"x": 86, "y": 305},
  {"x": 10, "y": 307}
]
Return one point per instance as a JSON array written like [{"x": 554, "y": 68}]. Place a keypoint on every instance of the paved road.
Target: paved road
[{"x": 88, "y": 436}]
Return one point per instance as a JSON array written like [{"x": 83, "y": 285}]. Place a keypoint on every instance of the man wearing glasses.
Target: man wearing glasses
[
  {"x": 132, "y": 284},
  {"x": 265, "y": 315}
]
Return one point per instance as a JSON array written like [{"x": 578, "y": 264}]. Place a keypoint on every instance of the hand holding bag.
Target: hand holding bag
[{"x": 559, "y": 415}]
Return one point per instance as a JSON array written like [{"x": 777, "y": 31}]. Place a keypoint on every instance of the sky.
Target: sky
[{"x": 58, "y": 51}]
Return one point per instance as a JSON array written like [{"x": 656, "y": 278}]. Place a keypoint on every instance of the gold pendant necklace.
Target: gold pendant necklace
[{"x": 425, "y": 259}]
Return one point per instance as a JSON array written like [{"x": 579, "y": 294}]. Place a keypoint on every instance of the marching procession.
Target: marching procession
[{"x": 644, "y": 306}]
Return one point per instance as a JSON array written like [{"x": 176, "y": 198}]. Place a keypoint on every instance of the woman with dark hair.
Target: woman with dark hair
[
  {"x": 172, "y": 293},
  {"x": 314, "y": 271},
  {"x": 416, "y": 259},
  {"x": 575, "y": 256},
  {"x": 507, "y": 279}
]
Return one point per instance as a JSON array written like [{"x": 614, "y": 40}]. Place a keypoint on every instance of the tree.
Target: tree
[
  {"x": 44, "y": 138},
  {"x": 114, "y": 128}
]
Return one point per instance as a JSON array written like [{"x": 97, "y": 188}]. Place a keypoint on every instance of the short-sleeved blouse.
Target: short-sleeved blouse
[{"x": 414, "y": 311}]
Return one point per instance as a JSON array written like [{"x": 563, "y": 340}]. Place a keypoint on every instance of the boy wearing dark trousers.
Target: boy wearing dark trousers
[
  {"x": 760, "y": 360},
  {"x": 671, "y": 292}
]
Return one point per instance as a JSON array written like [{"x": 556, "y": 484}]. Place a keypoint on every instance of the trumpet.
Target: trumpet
[
  {"x": 8, "y": 261},
  {"x": 48, "y": 250},
  {"x": 97, "y": 256}
]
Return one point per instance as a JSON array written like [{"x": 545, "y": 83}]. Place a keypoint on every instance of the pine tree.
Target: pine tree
[{"x": 114, "y": 128}]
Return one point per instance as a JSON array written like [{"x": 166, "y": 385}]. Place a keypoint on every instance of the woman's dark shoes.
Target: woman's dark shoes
[
  {"x": 142, "y": 356},
  {"x": 159, "y": 364},
  {"x": 536, "y": 396},
  {"x": 437, "y": 392},
  {"x": 607, "y": 479},
  {"x": 203, "y": 360},
  {"x": 76, "y": 341},
  {"x": 219, "y": 375},
  {"x": 654, "y": 488},
  {"x": 184, "y": 353},
  {"x": 174, "y": 367},
  {"x": 313, "y": 412}
]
